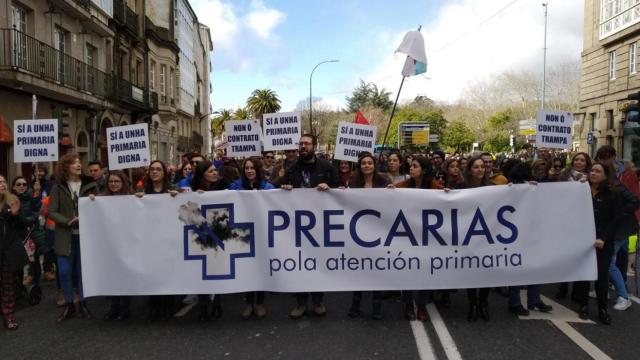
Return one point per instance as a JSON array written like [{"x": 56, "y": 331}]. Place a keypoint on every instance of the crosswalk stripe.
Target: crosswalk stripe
[
  {"x": 634, "y": 299},
  {"x": 586, "y": 345},
  {"x": 425, "y": 349},
  {"x": 445, "y": 337}
]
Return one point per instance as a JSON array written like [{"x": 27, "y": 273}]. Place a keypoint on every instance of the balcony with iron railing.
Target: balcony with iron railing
[
  {"x": 126, "y": 17},
  {"x": 19, "y": 51},
  {"x": 131, "y": 95}
]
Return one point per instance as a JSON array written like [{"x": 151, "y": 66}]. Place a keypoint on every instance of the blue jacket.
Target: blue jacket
[{"x": 237, "y": 185}]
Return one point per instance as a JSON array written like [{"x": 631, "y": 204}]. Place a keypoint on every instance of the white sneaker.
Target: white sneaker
[{"x": 622, "y": 304}]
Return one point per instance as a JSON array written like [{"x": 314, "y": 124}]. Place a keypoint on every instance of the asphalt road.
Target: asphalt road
[{"x": 333, "y": 337}]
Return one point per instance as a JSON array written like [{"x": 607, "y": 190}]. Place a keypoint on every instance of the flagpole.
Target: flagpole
[
  {"x": 384, "y": 142},
  {"x": 386, "y": 133}
]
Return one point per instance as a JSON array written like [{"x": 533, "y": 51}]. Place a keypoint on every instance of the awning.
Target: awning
[{"x": 6, "y": 134}]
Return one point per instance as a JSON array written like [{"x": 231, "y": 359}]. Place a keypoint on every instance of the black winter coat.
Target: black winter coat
[
  {"x": 321, "y": 171},
  {"x": 609, "y": 212},
  {"x": 11, "y": 247}
]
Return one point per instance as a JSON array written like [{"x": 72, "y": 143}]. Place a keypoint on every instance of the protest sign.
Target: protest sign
[
  {"x": 352, "y": 139},
  {"x": 338, "y": 240},
  {"x": 243, "y": 138},
  {"x": 554, "y": 129},
  {"x": 282, "y": 131},
  {"x": 35, "y": 140},
  {"x": 128, "y": 146}
]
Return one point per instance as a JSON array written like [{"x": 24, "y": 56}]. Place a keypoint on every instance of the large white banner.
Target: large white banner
[
  {"x": 35, "y": 140},
  {"x": 554, "y": 129},
  {"x": 243, "y": 138},
  {"x": 128, "y": 146},
  {"x": 282, "y": 131},
  {"x": 339, "y": 240}
]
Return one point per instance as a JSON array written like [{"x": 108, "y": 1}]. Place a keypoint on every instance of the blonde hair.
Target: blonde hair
[{"x": 8, "y": 198}]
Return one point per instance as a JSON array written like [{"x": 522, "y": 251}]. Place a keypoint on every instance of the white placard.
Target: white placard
[
  {"x": 352, "y": 139},
  {"x": 128, "y": 146},
  {"x": 35, "y": 140},
  {"x": 282, "y": 131},
  {"x": 554, "y": 129},
  {"x": 337, "y": 240},
  {"x": 243, "y": 138}
]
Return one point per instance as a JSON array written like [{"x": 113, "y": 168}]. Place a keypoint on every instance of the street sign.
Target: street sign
[
  {"x": 590, "y": 138},
  {"x": 410, "y": 133},
  {"x": 434, "y": 138}
]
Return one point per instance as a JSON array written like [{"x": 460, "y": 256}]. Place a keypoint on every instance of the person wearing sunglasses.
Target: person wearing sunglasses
[
  {"x": 30, "y": 204},
  {"x": 11, "y": 252},
  {"x": 268, "y": 162}
]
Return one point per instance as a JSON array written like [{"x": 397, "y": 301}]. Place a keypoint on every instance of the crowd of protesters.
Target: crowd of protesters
[{"x": 43, "y": 211}]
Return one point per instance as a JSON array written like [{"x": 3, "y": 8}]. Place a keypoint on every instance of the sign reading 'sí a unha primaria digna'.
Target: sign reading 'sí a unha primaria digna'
[
  {"x": 243, "y": 138},
  {"x": 35, "y": 140},
  {"x": 282, "y": 131},
  {"x": 352, "y": 139},
  {"x": 128, "y": 146},
  {"x": 336, "y": 240},
  {"x": 554, "y": 129}
]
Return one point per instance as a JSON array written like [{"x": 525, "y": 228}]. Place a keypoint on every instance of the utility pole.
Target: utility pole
[{"x": 544, "y": 59}]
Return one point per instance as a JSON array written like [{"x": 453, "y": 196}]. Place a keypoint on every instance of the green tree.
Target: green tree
[
  {"x": 457, "y": 136},
  {"x": 368, "y": 94},
  {"x": 240, "y": 114},
  {"x": 263, "y": 101},
  {"x": 497, "y": 143},
  {"x": 217, "y": 123}
]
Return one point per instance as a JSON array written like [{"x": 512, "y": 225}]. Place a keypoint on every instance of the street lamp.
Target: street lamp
[{"x": 311, "y": 93}]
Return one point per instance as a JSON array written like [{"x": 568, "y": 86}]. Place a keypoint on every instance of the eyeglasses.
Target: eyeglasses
[
  {"x": 21, "y": 184},
  {"x": 268, "y": 157}
]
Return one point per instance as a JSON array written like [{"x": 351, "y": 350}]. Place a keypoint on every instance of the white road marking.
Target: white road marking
[
  {"x": 580, "y": 340},
  {"x": 561, "y": 316},
  {"x": 634, "y": 299},
  {"x": 425, "y": 349},
  {"x": 445, "y": 337}
]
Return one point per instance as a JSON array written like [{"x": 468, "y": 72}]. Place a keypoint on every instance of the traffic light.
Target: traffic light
[{"x": 64, "y": 126}]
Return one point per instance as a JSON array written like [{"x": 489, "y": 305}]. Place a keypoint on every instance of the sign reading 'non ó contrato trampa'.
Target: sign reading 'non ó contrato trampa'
[
  {"x": 128, "y": 146},
  {"x": 243, "y": 138},
  {"x": 282, "y": 131},
  {"x": 554, "y": 129},
  {"x": 35, "y": 140},
  {"x": 352, "y": 139}
]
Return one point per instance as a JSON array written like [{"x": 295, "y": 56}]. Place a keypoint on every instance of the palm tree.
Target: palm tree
[
  {"x": 217, "y": 123},
  {"x": 263, "y": 101},
  {"x": 240, "y": 114}
]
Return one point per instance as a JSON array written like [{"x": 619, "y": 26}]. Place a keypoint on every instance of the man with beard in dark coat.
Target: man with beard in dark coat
[{"x": 310, "y": 172}]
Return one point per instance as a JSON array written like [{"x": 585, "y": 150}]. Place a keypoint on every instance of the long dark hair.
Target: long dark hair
[
  {"x": 13, "y": 184},
  {"x": 467, "y": 173},
  {"x": 587, "y": 158},
  {"x": 357, "y": 179},
  {"x": 400, "y": 160},
  {"x": 610, "y": 180},
  {"x": 126, "y": 185},
  {"x": 257, "y": 165},
  {"x": 198, "y": 181},
  {"x": 148, "y": 186},
  {"x": 427, "y": 176}
]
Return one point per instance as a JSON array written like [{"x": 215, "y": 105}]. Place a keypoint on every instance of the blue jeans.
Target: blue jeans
[
  {"x": 614, "y": 273},
  {"x": 533, "y": 295},
  {"x": 67, "y": 265}
]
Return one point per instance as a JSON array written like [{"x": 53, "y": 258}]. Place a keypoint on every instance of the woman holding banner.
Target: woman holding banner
[
  {"x": 252, "y": 178},
  {"x": 394, "y": 167},
  {"x": 207, "y": 178},
  {"x": 475, "y": 176},
  {"x": 12, "y": 254},
  {"x": 117, "y": 184},
  {"x": 158, "y": 182},
  {"x": 63, "y": 209},
  {"x": 609, "y": 211},
  {"x": 367, "y": 177},
  {"x": 420, "y": 177}
]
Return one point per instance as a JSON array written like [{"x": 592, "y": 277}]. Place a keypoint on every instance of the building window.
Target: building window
[
  {"x": 633, "y": 51},
  {"x": 171, "y": 81},
  {"x": 162, "y": 83},
  {"x": 140, "y": 72},
  {"x": 610, "y": 124},
  {"x": 612, "y": 65},
  {"x": 617, "y": 15},
  {"x": 593, "y": 121},
  {"x": 59, "y": 44},
  {"x": 19, "y": 22},
  {"x": 152, "y": 75},
  {"x": 91, "y": 59}
]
